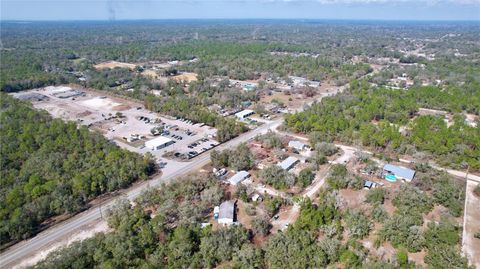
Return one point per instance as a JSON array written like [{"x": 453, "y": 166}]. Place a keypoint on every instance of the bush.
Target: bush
[
  {"x": 476, "y": 191},
  {"x": 294, "y": 249},
  {"x": 450, "y": 194},
  {"x": 358, "y": 225},
  {"x": 411, "y": 199},
  {"x": 376, "y": 196},
  {"x": 445, "y": 257},
  {"x": 404, "y": 229},
  {"x": 275, "y": 176},
  {"x": 326, "y": 149},
  {"x": 270, "y": 140},
  {"x": 261, "y": 226},
  {"x": 338, "y": 178},
  {"x": 241, "y": 192},
  {"x": 312, "y": 216},
  {"x": 378, "y": 213},
  {"x": 402, "y": 257},
  {"x": 250, "y": 210},
  {"x": 305, "y": 177},
  {"x": 272, "y": 205},
  {"x": 241, "y": 158},
  {"x": 446, "y": 232},
  {"x": 249, "y": 257},
  {"x": 349, "y": 259}
]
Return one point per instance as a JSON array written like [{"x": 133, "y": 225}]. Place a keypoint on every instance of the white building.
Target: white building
[
  {"x": 227, "y": 213},
  {"x": 158, "y": 143},
  {"x": 288, "y": 163},
  {"x": 298, "y": 145},
  {"x": 244, "y": 114},
  {"x": 302, "y": 82},
  {"x": 239, "y": 177}
]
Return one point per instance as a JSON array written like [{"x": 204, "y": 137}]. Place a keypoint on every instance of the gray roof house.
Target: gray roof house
[
  {"x": 227, "y": 213},
  {"x": 399, "y": 172},
  {"x": 238, "y": 177},
  {"x": 288, "y": 163}
]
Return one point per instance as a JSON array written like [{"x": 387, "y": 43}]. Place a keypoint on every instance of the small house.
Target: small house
[
  {"x": 239, "y": 177},
  {"x": 288, "y": 163},
  {"x": 392, "y": 172},
  {"x": 298, "y": 145},
  {"x": 227, "y": 212}
]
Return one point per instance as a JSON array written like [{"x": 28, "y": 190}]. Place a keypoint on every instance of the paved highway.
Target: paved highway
[{"x": 26, "y": 248}]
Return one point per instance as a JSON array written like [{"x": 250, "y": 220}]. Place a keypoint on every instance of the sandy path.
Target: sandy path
[{"x": 471, "y": 225}]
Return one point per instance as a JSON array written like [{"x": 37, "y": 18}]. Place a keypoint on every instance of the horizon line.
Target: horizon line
[{"x": 244, "y": 19}]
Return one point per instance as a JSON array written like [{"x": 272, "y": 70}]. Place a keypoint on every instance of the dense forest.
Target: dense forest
[
  {"x": 168, "y": 234},
  {"x": 386, "y": 119},
  {"x": 50, "y": 167}
]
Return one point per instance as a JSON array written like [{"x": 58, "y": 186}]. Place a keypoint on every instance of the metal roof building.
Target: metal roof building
[
  {"x": 399, "y": 172},
  {"x": 244, "y": 113},
  {"x": 288, "y": 163},
  {"x": 227, "y": 213},
  {"x": 298, "y": 145},
  {"x": 158, "y": 143},
  {"x": 238, "y": 177}
]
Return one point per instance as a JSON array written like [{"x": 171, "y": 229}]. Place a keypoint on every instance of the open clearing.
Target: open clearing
[{"x": 113, "y": 64}]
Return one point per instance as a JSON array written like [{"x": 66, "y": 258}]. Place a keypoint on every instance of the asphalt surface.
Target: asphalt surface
[{"x": 15, "y": 254}]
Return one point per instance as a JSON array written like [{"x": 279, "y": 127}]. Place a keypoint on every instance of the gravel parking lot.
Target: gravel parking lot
[{"x": 125, "y": 122}]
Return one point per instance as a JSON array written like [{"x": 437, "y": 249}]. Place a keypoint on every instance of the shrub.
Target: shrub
[
  {"x": 277, "y": 177},
  {"x": 378, "y": 213},
  {"x": 358, "y": 225},
  {"x": 402, "y": 257},
  {"x": 376, "y": 196},
  {"x": 305, "y": 177},
  {"x": 476, "y": 191},
  {"x": 404, "y": 229},
  {"x": 411, "y": 199}
]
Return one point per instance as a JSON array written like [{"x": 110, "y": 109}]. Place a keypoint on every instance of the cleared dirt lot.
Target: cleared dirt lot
[
  {"x": 184, "y": 76},
  {"x": 113, "y": 64}
]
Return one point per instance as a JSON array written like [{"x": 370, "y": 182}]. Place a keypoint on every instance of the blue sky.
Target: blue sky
[{"x": 236, "y": 9}]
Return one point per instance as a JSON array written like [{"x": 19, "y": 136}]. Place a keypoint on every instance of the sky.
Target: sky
[{"x": 240, "y": 9}]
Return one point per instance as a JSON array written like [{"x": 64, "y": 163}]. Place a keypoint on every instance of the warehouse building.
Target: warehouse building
[
  {"x": 159, "y": 143},
  {"x": 244, "y": 114}
]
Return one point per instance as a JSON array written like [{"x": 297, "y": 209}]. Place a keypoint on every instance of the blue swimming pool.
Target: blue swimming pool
[{"x": 391, "y": 178}]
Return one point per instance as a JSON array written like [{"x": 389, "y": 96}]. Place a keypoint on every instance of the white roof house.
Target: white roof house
[
  {"x": 158, "y": 143},
  {"x": 238, "y": 177},
  {"x": 227, "y": 213},
  {"x": 288, "y": 163},
  {"x": 298, "y": 145},
  {"x": 244, "y": 113},
  {"x": 399, "y": 172}
]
